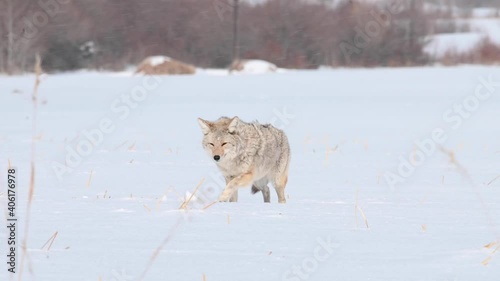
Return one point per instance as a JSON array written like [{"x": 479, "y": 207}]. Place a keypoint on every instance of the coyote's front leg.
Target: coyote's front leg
[{"x": 234, "y": 184}]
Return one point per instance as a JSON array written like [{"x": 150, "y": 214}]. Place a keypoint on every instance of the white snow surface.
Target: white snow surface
[
  {"x": 346, "y": 128},
  {"x": 258, "y": 67},
  {"x": 458, "y": 43},
  {"x": 158, "y": 60}
]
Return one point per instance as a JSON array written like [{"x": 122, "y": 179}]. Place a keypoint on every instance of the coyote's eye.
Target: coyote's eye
[
  {"x": 211, "y": 144},
  {"x": 224, "y": 143}
]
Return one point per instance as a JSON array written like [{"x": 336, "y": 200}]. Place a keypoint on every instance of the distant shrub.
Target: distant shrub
[
  {"x": 62, "y": 55},
  {"x": 485, "y": 52}
]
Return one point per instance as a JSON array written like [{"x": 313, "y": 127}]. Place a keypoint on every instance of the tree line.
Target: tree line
[{"x": 114, "y": 34}]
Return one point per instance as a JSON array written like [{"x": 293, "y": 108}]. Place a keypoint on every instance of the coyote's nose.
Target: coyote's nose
[{"x": 216, "y": 157}]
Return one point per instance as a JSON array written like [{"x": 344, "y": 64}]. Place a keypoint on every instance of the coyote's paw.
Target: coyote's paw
[{"x": 224, "y": 197}]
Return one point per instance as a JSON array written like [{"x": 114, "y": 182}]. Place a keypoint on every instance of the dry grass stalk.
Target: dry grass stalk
[
  {"x": 356, "y": 209},
  {"x": 120, "y": 145},
  {"x": 204, "y": 277},
  {"x": 364, "y": 217},
  {"x": 90, "y": 178},
  {"x": 161, "y": 199},
  {"x": 24, "y": 245},
  {"x": 132, "y": 147},
  {"x": 329, "y": 151},
  {"x": 453, "y": 160},
  {"x": 491, "y": 245},
  {"x": 155, "y": 254},
  {"x": 426, "y": 196},
  {"x": 468, "y": 178},
  {"x": 50, "y": 241},
  {"x": 10, "y": 164},
  {"x": 228, "y": 219},
  {"x": 496, "y": 250},
  {"x": 493, "y": 180},
  {"x": 147, "y": 208},
  {"x": 486, "y": 261},
  {"x": 176, "y": 192},
  {"x": 186, "y": 202},
  {"x": 209, "y": 205}
]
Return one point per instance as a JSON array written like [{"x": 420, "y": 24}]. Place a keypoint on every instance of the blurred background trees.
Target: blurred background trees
[{"x": 114, "y": 34}]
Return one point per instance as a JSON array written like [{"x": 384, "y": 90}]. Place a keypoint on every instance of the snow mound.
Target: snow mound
[
  {"x": 254, "y": 67},
  {"x": 158, "y": 60},
  {"x": 163, "y": 65}
]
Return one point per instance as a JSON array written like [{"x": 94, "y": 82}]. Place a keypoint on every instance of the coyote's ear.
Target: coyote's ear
[
  {"x": 205, "y": 126},
  {"x": 233, "y": 125}
]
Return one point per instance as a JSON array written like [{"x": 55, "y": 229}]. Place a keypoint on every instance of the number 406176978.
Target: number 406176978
[{"x": 11, "y": 192}]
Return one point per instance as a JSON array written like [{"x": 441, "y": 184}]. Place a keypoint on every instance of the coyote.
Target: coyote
[{"x": 247, "y": 153}]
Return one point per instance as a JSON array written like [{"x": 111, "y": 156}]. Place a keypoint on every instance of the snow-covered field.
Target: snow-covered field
[{"x": 113, "y": 207}]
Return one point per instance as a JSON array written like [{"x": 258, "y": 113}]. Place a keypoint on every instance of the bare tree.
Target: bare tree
[
  {"x": 236, "y": 43},
  {"x": 13, "y": 10},
  {"x": 17, "y": 30}
]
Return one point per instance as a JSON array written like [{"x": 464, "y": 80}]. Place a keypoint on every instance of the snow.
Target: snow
[
  {"x": 212, "y": 71},
  {"x": 483, "y": 23},
  {"x": 158, "y": 60},
  {"x": 484, "y": 12},
  {"x": 258, "y": 67},
  {"x": 490, "y": 27},
  {"x": 481, "y": 29},
  {"x": 459, "y": 43},
  {"x": 346, "y": 128}
]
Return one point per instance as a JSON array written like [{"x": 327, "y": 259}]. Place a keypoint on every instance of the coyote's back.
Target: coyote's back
[{"x": 248, "y": 154}]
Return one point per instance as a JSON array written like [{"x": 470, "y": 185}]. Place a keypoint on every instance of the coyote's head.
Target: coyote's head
[{"x": 220, "y": 137}]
